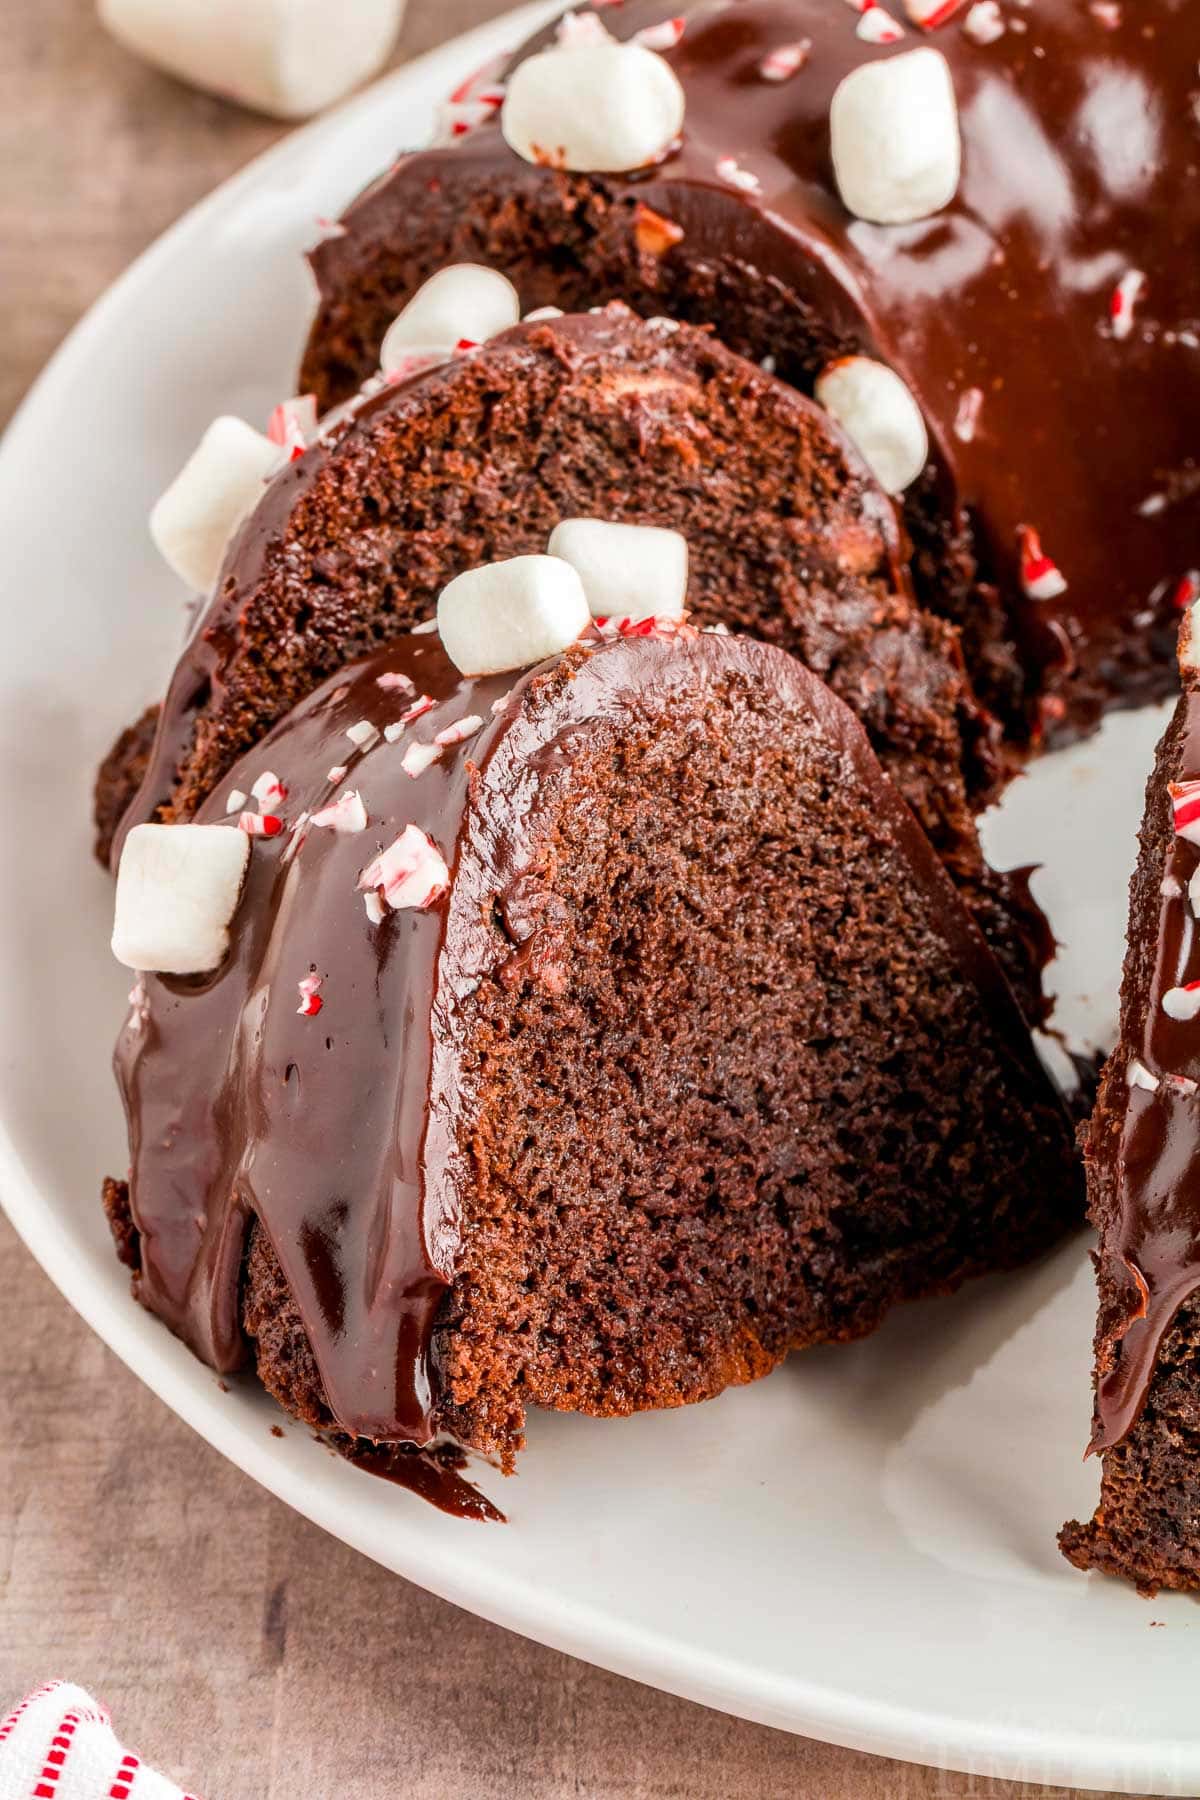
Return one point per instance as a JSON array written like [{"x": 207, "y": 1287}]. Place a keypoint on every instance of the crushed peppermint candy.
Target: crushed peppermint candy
[
  {"x": 338, "y": 773},
  {"x": 654, "y": 625},
  {"x": 1139, "y": 1076},
  {"x": 1106, "y": 13},
  {"x": 785, "y": 60},
  {"x": 1187, "y": 591},
  {"x": 260, "y": 824},
  {"x": 1041, "y": 577},
  {"x": 984, "y": 24},
  {"x": 875, "y": 26},
  {"x": 929, "y": 14},
  {"x": 499, "y": 705},
  {"x": 966, "y": 418},
  {"x": 653, "y": 233},
  {"x": 1185, "y": 809},
  {"x": 236, "y": 801},
  {"x": 310, "y": 1000},
  {"x": 411, "y": 872},
  {"x": 293, "y": 425},
  {"x": 1182, "y": 1003},
  {"x": 663, "y": 36},
  {"x": 425, "y": 628},
  {"x": 393, "y": 679},
  {"x": 268, "y": 790},
  {"x": 462, "y": 728},
  {"x": 576, "y": 29},
  {"x": 374, "y": 906},
  {"x": 421, "y": 704},
  {"x": 419, "y": 757},
  {"x": 728, "y": 169},
  {"x": 363, "y": 734},
  {"x": 346, "y": 813},
  {"x": 1125, "y": 297},
  {"x": 1183, "y": 1084},
  {"x": 139, "y": 1005}
]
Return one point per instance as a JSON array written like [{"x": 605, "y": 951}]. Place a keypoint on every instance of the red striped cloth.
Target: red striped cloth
[{"x": 58, "y": 1744}]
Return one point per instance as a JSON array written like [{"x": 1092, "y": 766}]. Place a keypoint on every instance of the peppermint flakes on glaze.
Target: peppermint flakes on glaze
[{"x": 410, "y": 873}]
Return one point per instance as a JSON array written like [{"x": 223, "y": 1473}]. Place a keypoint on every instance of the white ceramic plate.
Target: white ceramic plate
[{"x": 861, "y": 1548}]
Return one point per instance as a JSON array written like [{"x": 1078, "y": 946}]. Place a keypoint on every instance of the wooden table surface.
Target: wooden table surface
[{"x": 237, "y": 1646}]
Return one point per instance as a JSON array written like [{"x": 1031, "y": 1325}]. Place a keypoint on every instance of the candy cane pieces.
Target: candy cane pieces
[
  {"x": 875, "y": 26},
  {"x": 508, "y": 615},
  {"x": 878, "y": 413},
  {"x": 597, "y": 107},
  {"x": 1041, "y": 577},
  {"x": 345, "y": 814},
  {"x": 1185, "y": 810},
  {"x": 785, "y": 60},
  {"x": 288, "y": 60},
  {"x": 929, "y": 14},
  {"x": 1126, "y": 295},
  {"x": 463, "y": 304},
  {"x": 178, "y": 888},
  {"x": 219, "y": 484},
  {"x": 894, "y": 136},
  {"x": 293, "y": 425},
  {"x": 411, "y": 872},
  {"x": 627, "y": 571},
  {"x": 310, "y": 1000}
]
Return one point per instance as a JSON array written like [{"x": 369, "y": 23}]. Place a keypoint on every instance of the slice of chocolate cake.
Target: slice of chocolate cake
[
  {"x": 1143, "y": 1164},
  {"x": 1007, "y": 224},
  {"x": 586, "y": 1038},
  {"x": 605, "y": 417}
]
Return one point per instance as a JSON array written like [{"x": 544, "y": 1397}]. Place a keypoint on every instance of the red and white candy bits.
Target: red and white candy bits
[
  {"x": 878, "y": 413},
  {"x": 1182, "y": 1003},
  {"x": 627, "y": 571},
  {"x": 1125, "y": 297},
  {"x": 877, "y": 26},
  {"x": 984, "y": 24},
  {"x": 411, "y": 872},
  {"x": 1041, "y": 577},
  {"x": 1185, "y": 810},
  {"x": 600, "y": 108},
  {"x": 218, "y": 485},
  {"x": 508, "y": 615},
  {"x": 310, "y": 998},
  {"x": 268, "y": 790},
  {"x": 293, "y": 425},
  {"x": 929, "y": 14},
  {"x": 288, "y": 60},
  {"x": 785, "y": 60},
  {"x": 345, "y": 814},
  {"x": 1139, "y": 1076},
  {"x": 465, "y": 303},
  {"x": 894, "y": 138},
  {"x": 178, "y": 888}
]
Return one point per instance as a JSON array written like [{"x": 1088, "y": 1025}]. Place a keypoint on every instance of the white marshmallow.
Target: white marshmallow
[
  {"x": 284, "y": 57},
  {"x": 594, "y": 107},
  {"x": 219, "y": 484},
  {"x": 879, "y": 415},
  {"x": 894, "y": 137},
  {"x": 177, "y": 890},
  {"x": 508, "y": 615},
  {"x": 465, "y": 301},
  {"x": 628, "y": 571}
]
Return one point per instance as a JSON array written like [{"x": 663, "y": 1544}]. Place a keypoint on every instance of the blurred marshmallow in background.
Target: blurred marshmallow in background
[{"x": 289, "y": 58}]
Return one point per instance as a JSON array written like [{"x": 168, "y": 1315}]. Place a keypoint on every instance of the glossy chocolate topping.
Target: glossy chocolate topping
[
  {"x": 342, "y": 1130},
  {"x": 1156, "y": 1231},
  {"x": 1080, "y": 174}
]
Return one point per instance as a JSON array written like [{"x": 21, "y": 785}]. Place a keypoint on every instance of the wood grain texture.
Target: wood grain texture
[{"x": 238, "y": 1647}]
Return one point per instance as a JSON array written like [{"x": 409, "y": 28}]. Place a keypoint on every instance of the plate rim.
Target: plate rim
[{"x": 798, "y": 1705}]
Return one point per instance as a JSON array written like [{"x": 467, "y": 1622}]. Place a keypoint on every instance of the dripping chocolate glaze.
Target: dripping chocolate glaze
[
  {"x": 1081, "y": 151},
  {"x": 342, "y": 1131},
  {"x": 1156, "y": 1233}
]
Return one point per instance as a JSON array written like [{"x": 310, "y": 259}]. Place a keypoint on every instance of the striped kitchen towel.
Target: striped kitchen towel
[{"x": 58, "y": 1744}]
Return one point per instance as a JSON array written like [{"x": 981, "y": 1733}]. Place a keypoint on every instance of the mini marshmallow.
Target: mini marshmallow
[
  {"x": 465, "y": 302},
  {"x": 178, "y": 887},
  {"x": 894, "y": 137},
  {"x": 289, "y": 58},
  {"x": 599, "y": 108},
  {"x": 878, "y": 413},
  {"x": 627, "y": 571},
  {"x": 508, "y": 615},
  {"x": 219, "y": 484}
]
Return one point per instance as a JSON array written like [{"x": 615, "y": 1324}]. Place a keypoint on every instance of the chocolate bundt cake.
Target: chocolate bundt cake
[
  {"x": 588, "y": 1037},
  {"x": 1143, "y": 1165},
  {"x": 1041, "y": 304},
  {"x": 604, "y": 416}
]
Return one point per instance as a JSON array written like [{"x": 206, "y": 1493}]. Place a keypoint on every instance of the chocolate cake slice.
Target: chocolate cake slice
[
  {"x": 615, "y": 418},
  {"x": 1044, "y": 318},
  {"x": 1143, "y": 1165},
  {"x": 588, "y": 1038}
]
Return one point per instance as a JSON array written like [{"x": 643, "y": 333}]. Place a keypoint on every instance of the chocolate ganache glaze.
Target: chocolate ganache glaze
[
  {"x": 1052, "y": 407},
  {"x": 1144, "y": 1145}
]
